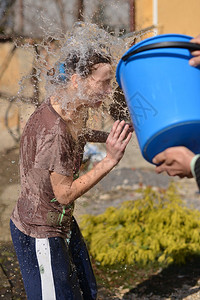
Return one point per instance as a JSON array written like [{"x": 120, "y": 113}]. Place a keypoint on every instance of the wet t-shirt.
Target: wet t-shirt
[{"x": 46, "y": 146}]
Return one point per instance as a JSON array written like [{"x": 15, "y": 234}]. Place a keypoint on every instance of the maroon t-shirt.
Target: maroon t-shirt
[{"x": 46, "y": 146}]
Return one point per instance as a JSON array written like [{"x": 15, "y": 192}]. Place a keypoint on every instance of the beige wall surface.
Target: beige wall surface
[
  {"x": 20, "y": 63},
  {"x": 179, "y": 16},
  {"x": 143, "y": 13},
  {"x": 174, "y": 16},
  {"x": 12, "y": 69}
]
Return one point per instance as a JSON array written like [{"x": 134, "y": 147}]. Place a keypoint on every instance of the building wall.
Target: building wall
[
  {"x": 15, "y": 113},
  {"x": 143, "y": 14},
  {"x": 177, "y": 16},
  {"x": 19, "y": 64}
]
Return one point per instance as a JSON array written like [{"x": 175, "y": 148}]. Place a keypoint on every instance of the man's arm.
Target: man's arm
[
  {"x": 176, "y": 161},
  {"x": 195, "y": 61},
  {"x": 179, "y": 161},
  {"x": 197, "y": 170},
  {"x": 66, "y": 190},
  {"x": 96, "y": 136}
]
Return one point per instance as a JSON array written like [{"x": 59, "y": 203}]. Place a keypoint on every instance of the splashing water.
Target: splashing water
[
  {"x": 57, "y": 50},
  {"x": 81, "y": 42}
]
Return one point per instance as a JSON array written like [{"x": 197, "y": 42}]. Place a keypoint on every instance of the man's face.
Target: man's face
[{"x": 98, "y": 84}]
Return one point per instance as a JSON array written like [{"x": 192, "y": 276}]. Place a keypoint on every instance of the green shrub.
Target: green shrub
[{"x": 157, "y": 228}]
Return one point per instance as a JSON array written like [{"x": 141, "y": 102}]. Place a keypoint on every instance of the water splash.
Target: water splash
[
  {"x": 52, "y": 52},
  {"x": 81, "y": 42}
]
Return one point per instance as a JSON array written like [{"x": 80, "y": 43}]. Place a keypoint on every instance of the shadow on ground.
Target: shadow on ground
[
  {"x": 11, "y": 284},
  {"x": 173, "y": 282}
]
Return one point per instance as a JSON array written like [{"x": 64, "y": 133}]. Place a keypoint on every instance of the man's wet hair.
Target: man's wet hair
[
  {"x": 77, "y": 63},
  {"x": 84, "y": 66}
]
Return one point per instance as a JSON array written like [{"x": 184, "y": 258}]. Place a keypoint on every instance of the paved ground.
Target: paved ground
[{"x": 118, "y": 186}]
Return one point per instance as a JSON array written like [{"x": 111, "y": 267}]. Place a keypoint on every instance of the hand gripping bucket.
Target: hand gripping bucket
[{"x": 162, "y": 92}]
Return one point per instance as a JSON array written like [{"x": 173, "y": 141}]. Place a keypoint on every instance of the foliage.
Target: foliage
[{"x": 157, "y": 228}]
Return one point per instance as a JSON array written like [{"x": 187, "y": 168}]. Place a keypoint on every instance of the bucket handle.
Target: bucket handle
[{"x": 186, "y": 45}]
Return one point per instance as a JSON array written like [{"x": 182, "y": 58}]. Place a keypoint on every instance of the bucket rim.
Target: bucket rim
[{"x": 139, "y": 44}]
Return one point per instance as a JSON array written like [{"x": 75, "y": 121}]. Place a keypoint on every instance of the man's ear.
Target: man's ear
[{"x": 74, "y": 80}]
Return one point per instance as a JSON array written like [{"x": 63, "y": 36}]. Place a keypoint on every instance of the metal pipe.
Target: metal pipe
[
  {"x": 132, "y": 15},
  {"x": 155, "y": 16}
]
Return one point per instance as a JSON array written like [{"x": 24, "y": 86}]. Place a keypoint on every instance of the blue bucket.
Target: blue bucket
[{"x": 162, "y": 92}]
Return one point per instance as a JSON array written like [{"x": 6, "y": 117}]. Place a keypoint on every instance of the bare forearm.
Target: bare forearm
[
  {"x": 84, "y": 183},
  {"x": 66, "y": 190}
]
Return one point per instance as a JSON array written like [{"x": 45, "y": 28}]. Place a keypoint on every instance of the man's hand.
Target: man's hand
[
  {"x": 174, "y": 161},
  {"x": 131, "y": 127},
  {"x": 117, "y": 141},
  {"x": 195, "y": 61}
]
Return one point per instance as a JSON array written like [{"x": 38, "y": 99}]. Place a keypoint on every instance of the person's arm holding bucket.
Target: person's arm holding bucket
[
  {"x": 175, "y": 161},
  {"x": 178, "y": 161},
  {"x": 195, "y": 60}
]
